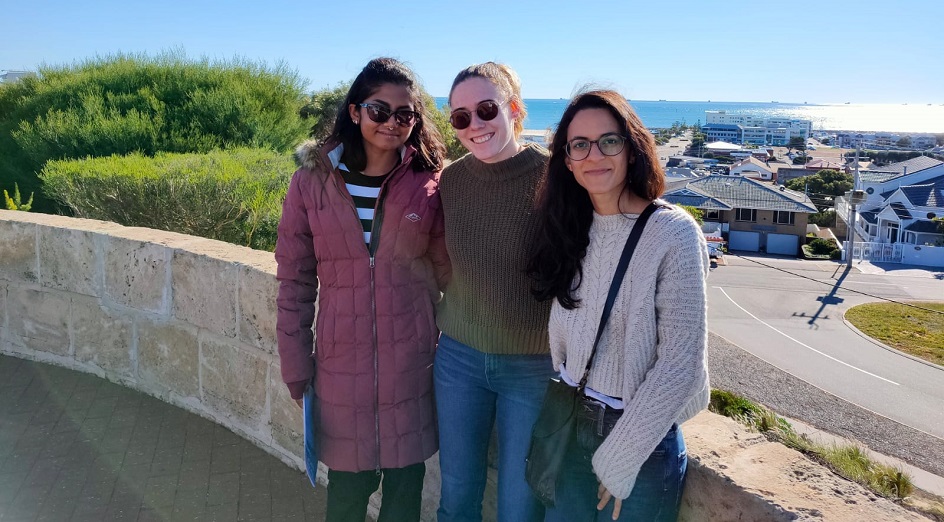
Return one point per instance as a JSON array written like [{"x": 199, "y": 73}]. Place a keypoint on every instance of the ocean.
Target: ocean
[{"x": 904, "y": 118}]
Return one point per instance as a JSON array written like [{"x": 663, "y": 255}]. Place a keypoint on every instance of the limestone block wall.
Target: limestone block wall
[
  {"x": 192, "y": 321},
  {"x": 186, "y": 319}
]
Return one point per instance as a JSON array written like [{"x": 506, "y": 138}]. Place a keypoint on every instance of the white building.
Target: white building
[
  {"x": 757, "y": 130},
  {"x": 754, "y": 168},
  {"x": 12, "y": 76}
]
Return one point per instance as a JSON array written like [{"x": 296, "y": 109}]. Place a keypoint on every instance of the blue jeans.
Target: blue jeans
[
  {"x": 656, "y": 495},
  {"x": 473, "y": 390}
]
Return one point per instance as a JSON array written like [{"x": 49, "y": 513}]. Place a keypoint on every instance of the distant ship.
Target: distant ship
[{"x": 775, "y": 101}]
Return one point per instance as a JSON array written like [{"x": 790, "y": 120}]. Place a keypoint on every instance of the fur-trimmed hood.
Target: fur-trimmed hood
[{"x": 308, "y": 155}]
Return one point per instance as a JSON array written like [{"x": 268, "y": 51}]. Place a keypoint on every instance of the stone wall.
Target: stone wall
[{"x": 192, "y": 321}]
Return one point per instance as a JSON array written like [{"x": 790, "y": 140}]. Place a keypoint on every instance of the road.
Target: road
[{"x": 781, "y": 311}]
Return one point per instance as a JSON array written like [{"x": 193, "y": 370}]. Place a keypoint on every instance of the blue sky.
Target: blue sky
[{"x": 824, "y": 51}]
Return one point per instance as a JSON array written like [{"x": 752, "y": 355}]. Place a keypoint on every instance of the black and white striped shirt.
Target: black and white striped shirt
[{"x": 364, "y": 190}]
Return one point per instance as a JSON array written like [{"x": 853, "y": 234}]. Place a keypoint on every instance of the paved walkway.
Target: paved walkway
[{"x": 77, "y": 447}]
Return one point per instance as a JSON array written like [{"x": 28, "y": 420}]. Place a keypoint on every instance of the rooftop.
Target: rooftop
[{"x": 738, "y": 192}]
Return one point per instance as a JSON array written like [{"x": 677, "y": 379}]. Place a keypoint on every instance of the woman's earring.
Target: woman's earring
[{"x": 357, "y": 122}]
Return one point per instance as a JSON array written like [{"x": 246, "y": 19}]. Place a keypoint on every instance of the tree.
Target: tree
[
  {"x": 321, "y": 109},
  {"x": 125, "y": 104},
  {"x": 796, "y": 142},
  {"x": 904, "y": 142},
  {"x": 826, "y": 182},
  {"x": 824, "y": 218}
]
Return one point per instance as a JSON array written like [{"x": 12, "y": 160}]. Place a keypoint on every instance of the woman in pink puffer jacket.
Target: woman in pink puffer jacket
[{"x": 362, "y": 230}]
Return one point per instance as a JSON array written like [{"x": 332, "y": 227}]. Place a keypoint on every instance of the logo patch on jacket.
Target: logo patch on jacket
[{"x": 413, "y": 216}]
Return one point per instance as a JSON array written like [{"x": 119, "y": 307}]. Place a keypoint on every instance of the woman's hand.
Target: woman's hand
[{"x": 605, "y": 497}]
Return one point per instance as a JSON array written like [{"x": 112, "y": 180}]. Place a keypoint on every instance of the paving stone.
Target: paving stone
[{"x": 86, "y": 449}]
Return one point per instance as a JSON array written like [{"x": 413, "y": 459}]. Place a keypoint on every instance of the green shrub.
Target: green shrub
[
  {"x": 126, "y": 104},
  {"x": 321, "y": 109},
  {"x": 695, "y": 213},
  {"x": 822, "y": 247},
  {"x": 16, "y": 202},
  {"x": 234, "y": 195},
  {"x": 835, "y": 254},
  {"x": 454, "y": 148},
  {"x": 731, "y": 405}
]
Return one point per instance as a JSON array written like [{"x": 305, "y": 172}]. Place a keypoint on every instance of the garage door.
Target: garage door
[
  {"x": 785, "y": 244},
  {"x": 740, "y": 240}
]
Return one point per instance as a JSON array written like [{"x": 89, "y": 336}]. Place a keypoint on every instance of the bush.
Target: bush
[
  {"x": 16, "y": 201},
  {"x": 695, "y": 213},
  {"x": 321, "y": 109},
  {"x": 126, "y": 104},
  {"x": 836, "y": 254},
  {"x": 233, "y": 195},
  {"x": 454, "y": 148},
  {"x": 732, "y": 405},
  {"x": 822, "y": 247}
]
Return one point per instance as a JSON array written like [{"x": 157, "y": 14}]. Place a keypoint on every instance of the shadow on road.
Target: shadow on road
[{"x": 830, "y": 298}]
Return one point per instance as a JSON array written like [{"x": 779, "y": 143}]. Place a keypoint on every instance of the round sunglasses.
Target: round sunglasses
[
  {"x": 380, "y": 114},
  {"x": 610, "y": 144},
  {"x": 486, "y": 111}
]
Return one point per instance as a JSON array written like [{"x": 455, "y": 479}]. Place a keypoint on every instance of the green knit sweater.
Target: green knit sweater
[{"x": 490, "y": 225}]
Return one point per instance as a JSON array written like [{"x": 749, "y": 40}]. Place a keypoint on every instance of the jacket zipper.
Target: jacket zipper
[{"x": 375, "y": 227}]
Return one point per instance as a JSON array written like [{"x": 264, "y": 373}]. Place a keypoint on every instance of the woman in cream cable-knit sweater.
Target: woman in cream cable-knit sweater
[{"x": 627, "y": 458}]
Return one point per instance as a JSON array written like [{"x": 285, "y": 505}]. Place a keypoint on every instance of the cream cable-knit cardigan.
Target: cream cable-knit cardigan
[{"x": 652, "y": 353}]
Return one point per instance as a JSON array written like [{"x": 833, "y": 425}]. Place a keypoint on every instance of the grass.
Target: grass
[
  {"x": 849, "y": 461},
  {"x": 912, "y": 330}
]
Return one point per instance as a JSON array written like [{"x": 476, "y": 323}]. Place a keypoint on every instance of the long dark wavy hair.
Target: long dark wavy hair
[
  {"x": 565, "y": 211},
  {"x": 425, "y": 136}
]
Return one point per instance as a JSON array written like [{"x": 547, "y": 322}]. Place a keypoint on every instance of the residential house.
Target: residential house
[
  {"x": 754, "y": 168},
  {"x": 755, "y": 216},
  {"x": 896, "y": 222}
]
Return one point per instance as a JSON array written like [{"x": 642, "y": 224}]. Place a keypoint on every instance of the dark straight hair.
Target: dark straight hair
[
  {"x": 565, "y": 211},
  {"x": 425, "y": 136}
]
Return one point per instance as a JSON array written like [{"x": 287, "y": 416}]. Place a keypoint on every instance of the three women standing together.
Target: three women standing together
[{"x": 370, "y": 225}]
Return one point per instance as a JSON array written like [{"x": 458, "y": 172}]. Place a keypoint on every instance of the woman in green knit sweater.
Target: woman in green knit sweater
[{"x": 492, "y": 363}]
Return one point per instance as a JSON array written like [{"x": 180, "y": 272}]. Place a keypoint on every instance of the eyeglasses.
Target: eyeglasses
[
  {"x": 380, "y": 114},
  {"x": 609, "y": 144},
  {"x": 486, "y": 111}
]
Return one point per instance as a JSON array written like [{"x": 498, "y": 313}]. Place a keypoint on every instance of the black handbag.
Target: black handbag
[{"x": 558, "y": 416}]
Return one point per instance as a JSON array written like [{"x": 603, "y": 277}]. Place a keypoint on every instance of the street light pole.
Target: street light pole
[{"x": 851, "y": 221}]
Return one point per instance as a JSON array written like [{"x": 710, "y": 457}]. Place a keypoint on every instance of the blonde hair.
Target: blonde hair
[{"x": 502, "y": 77}]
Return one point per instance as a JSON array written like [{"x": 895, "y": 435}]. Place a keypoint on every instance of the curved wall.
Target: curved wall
[{"x": 186, "y": 319}]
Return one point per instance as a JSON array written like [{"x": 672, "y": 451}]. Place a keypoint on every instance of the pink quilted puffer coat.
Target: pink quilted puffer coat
[{"x": 375, "y": 330}]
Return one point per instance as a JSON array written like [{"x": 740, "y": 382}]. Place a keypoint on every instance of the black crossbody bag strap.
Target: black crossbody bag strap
[{"x": 625, "y": 257}]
